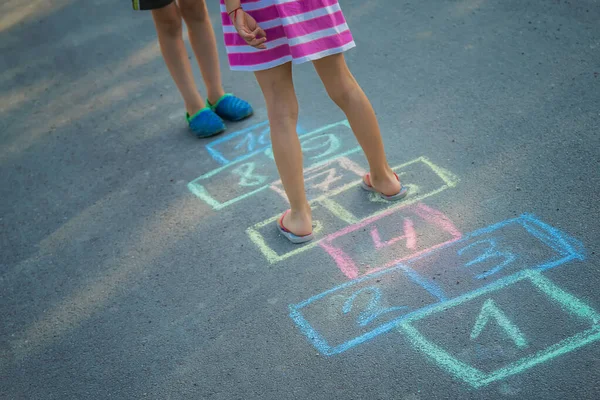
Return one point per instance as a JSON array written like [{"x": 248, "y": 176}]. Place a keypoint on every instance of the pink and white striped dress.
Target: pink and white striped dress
[{"x": 297, "y": 31}]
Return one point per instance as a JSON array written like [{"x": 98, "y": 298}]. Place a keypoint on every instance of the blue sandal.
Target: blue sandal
[
  {"x": 205, "y": 123},
  {"x": 231, "y": 108}
]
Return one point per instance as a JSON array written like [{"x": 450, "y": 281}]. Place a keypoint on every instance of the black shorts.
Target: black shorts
[{"x": 150, "y": 4}]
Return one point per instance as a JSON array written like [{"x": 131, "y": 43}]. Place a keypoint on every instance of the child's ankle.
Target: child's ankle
[
  {"x": 381, "y": 173},
  {"x": 302, "y": 210},
  {"x": 213, "y": 98},
  {"x": 192, "y": 109}
]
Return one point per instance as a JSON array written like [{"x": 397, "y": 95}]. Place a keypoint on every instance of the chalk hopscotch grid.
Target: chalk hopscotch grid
[
  {"x": 449, "y": 179},
  {"x": 568, "y": 248},
  {"x": 200, "y": 191},
  {"x": 562, "y": 244}
]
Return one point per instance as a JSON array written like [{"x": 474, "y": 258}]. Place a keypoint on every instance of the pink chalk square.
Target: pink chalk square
[{"x": 385, "y": 240}]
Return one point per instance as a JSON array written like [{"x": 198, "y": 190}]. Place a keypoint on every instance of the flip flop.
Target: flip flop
[
  {"x": 289, "y": 235},
  {"x": 398, "y": 196}
]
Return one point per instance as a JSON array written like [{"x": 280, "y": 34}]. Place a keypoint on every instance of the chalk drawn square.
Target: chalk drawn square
[
  {"x": 333, "y": 176},
  {"x": 531, "y": 332},
  {"x": 242, "y": 144},
  {"x": 501, "y": 326},
  {"x": 234, "y": 182},
  {"x": 445, "y": 180},
  {"x": 275, "y": 247},
  {"x": 247, "y": 176},
  {"x": 359, "y": 310},
  {"x": 388, "y": 239},
  {"x": 496, "y": 252},
  {"x": 422, "y": 178}
]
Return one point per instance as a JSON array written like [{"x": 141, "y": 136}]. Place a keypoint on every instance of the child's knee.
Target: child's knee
[
  {"x": 287, "y": 110},
  {"x": 193, "y": 10},
  {"x": 283, "y": 113},
  {"x": 343, "y": 93},
  {"x": 168, "y": 23}
]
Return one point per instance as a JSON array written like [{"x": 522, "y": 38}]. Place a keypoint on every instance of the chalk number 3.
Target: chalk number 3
[{"x": 491, "y": 252}]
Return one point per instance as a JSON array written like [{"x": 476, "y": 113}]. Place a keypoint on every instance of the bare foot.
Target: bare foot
[
  {"x": 387, "y": 183},
  {"x": 298, "y": 222}
]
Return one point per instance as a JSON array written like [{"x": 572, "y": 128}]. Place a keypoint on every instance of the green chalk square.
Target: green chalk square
[{"x": 477, "y": 378}]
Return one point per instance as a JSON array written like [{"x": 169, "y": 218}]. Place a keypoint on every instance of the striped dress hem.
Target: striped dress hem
[
  {"x": 297, "y": 31},
  {"x": 286, "y": 59}
]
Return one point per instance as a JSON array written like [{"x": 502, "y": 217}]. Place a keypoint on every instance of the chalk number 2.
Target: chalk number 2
[{"x": 373, "y": 308}]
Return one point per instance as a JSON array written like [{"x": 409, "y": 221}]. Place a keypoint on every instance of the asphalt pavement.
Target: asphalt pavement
[{"x": 139, "y": 262}]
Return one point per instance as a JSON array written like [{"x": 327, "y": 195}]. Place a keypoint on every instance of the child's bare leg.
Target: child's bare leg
[
  {"x": 168, "y": 26},
  {"x": 204, "y": 44},
  {"x": 348, "y": 95},
  {"x": 282, "y": 107}
]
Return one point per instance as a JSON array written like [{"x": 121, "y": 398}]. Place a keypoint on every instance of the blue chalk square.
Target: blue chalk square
[
  {"x": 497, "y": 252},
  {"x": 503, "y": 329},
  {"x": 360, "y": 310},
  {"x": 242, "y": 144}
]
